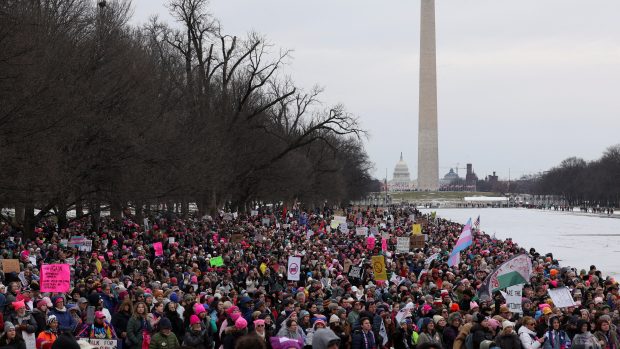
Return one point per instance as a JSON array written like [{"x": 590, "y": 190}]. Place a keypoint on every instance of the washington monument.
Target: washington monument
[{"x": 428, "y": 154}]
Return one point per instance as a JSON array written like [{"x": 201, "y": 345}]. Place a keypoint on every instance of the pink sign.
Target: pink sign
[
  {"x": 159, "y": 249},
  {"x": 370, "y": 242},
  {"x": 383, "y": 244},
  {"x": 55, "y": 278}
]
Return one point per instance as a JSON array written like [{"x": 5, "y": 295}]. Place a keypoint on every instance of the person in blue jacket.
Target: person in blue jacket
[{"x": 66, "y": 322}]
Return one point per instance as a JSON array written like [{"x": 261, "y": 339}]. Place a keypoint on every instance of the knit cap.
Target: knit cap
[
  {"x": 240, "y": 324},
  {"x": 194, "y": 320}
]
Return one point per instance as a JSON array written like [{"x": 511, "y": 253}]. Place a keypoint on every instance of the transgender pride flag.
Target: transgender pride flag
[{"x": 464, "y": 241}]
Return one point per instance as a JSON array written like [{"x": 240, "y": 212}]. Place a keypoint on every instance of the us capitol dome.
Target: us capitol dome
[{"x": 401, "y": 180}]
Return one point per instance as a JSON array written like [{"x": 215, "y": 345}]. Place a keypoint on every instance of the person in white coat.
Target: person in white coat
[{"x": 527, "y": 335}]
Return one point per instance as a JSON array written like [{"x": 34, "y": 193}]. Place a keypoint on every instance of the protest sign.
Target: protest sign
[
  {"x": 55, "y": 278},
  {"x": 294, "y": 267},
  {"x": 374, "y": 230},
  {"x": 99, "y": 343},
  {"x": 10, "y": 266},
  {"x": 86, "y": 246},
  {"x": 344, "y": 228},
  {"x": 64, "y": 242},
  {"x": 361, "y": 231},
  {"x": 265, "y": 222},
  {"x": 33, "y": 260},
  {"x": 171, "y": 240},
  {"x": 385, "y": 235},
  {"x": 356, "y": 272},
  {"x": 513, "y": 296},
  {"x": 561, "y": 297},
  {"x": 430, "y": 259},
  {"x": 30, "y": 339},
  {"x": 254, "y": 213},
  {"x": 236, "y": 237},
  {"x": 378, "y": 268},
  {"x": 370, "y": 242},
  {"x": 347, "y": 265},
  {"x": 402, "y": 244},
  {"x": 417, "y": 241},
  {"x": 159, "y": 249},
  {"x": 384, "y": 244},
  {"x": 76, "y": 241},
  {"x": 417, "y": 229},
  {"x": 216, "y": 261}
]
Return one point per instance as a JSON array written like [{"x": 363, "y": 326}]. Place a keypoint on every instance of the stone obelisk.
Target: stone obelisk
[{"x": 428, "y": 154}]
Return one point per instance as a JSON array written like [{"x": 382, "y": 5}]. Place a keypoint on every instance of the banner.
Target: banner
[
  {"x": 217, "y": 261},
  {"x": 55, "y": 278},
  {"x": 514, "y": 271},
  {"x": 514, "y": 296},
  {"x": 294, "y": 268},
  {"x": 378, "y": 268},
  {"x": 561, "y": 297},
  {"x": 404, "y": 312},
  {"x": 10, "y": 266},
  {"x": 159, "y": 249},
  {"x": 402, "y": 244}
]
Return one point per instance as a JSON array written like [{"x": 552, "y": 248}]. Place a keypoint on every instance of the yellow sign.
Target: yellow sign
[
  {"x": 263, "y": 267},
  {"x": 417, "y": 229},
  {"x": 378, "y": 268},
  {"x": 99, "y": 266}
]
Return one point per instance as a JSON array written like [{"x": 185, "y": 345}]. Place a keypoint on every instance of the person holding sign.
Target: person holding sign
[
  {"x": 49, "y": 336},
  {"x": 22, "y": 320},
  {"x": 10, "y": 339},
  {"x": 100, "y": 329}
]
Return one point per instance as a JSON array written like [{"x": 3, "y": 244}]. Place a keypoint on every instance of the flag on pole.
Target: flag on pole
[
  {"x": 514, "y": 271},
  {"x": 463, "y": 243},
  {"x": 477, "y": 222}
]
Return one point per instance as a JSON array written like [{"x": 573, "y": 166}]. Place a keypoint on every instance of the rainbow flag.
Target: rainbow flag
[{"x": 463, "y": 243}]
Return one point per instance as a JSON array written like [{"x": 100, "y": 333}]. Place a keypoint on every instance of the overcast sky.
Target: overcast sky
[{"x": 522, "y": 84}]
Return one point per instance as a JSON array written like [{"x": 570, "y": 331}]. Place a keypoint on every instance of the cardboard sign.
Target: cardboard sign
[
  {"x": 356, "y": 272},
  {"x": 417, "y": 241},
  {"x": 294, "y": 268},
  {"x": 561, "y": 297},
  {"x": 347, "y": 265},
  {"x": 236, "y": 237},
  {"x": 86, "y": 246},
  {"x": 402, "y": 244},
  {"x": 159, "y": 249},
  {"x": 10, "y": 266},
  {"x": 55, "y": 278},
  {"x": 103, "y": 343},
  {"x": 378, "y": 268}
]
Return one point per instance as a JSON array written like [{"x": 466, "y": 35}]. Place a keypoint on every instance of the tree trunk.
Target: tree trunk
[
  {"x": 29, "y": 223},
  {"x": 185, "y": 208},
  {"x": 95, "y": 215},
  {"x": 116, "y": 210},
  {"x": 79, "y": 208},
  {"x": 61, "y": 216},
  {"x": 138, "y": 205}
]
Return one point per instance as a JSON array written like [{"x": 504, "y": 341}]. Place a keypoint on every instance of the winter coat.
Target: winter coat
[
  {"x": 402, "y": 339},
  {"x": 528, "y": 338},
  {"x": 46, "y": 336},
  {"x": 508, "y": 341},
  {"x": 40, "y": 318},
  {"x": 358, "y": 342},
  {"x": 449, "y": 336},
  {"x": 66, "y": 322},
  {"x": 610, "y": 338},
  {"x": 135, "y": 327},
  {"x": 197, "y": 339},
  {"x": 428, "y": 338},
  {"x": 480, "y": 334},
  {"x": 177, "y": 324},
  {"x": 160, "y": 341},
  {"x": 459, "y": 342},
  {"x": 231, "y": 337},
  {"x": 28, "y": 320},
  {"x": 556, "y": 340},
  {"x": 120, "y": 320},
  {"x": 16, "y": 343}
]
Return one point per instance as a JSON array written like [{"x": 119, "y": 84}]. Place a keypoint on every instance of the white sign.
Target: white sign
[
  {"x": 87, "y": 245},
  {"x": 64, "y": 242},
  {"x": 254, "y": 213},
  {"x": 171, "y": 240},
  {"x": 265, "y": 221},
  {"x": 146, "y": 223},
  {"x": 361, "y": 231},
  {"x": 402, "y": 245},
  {"x": 344, "y": 228},
  {"x": 33, "y": 260},
  {"x": 385, "y": 235},
  {"x": 514, "y": 296},
  {"x": 30, "y": 339},
  {"x": 103, "y": 343},
  {"x": 356, "y": 272},
  {"x": 561, "y": 297},
  {"x": 294, "y": 268},
  {"x": 430, "y": 259}
]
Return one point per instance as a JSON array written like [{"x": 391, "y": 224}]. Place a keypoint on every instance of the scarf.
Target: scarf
[{"x": 372, "y": 344}]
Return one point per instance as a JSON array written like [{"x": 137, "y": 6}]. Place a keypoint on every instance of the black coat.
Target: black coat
[
  {"x": 17, "y": 343},
  {"x": 510, "y": 341}
]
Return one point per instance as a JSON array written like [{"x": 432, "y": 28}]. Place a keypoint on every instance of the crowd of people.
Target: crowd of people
[{"x": 222, "y": 283}]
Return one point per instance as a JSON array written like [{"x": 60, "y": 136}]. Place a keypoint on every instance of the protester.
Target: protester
[
  {"x": 99, "y": 329},
  {"x": 46, "y": 338},
  {"x": 138, "y": 328},
  {"x": 10, "y": 339},
  {"x": 164, "y": 338}
]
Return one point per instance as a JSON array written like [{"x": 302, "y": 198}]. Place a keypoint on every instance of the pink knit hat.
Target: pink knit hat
[
  {"x": 240, "y": 324},
  {"x": 194, "y": 320},
  {"x": 198, "y": 308}
]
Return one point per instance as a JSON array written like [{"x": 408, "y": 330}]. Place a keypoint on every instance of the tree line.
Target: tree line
[{"x": 98, "y": 113}]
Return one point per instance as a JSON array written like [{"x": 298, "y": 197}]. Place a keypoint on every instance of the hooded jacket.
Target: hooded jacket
[
  {"x": 322, "y": 337},
  {"x": 527, "y": 338},
  {"x": 66, "y": 322}
]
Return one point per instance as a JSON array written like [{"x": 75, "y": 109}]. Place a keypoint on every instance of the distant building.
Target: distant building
[
  {"x": 450, "y": 178},
  {"x": 470, "y": 178},
  {"x": 401, "y": 179}
]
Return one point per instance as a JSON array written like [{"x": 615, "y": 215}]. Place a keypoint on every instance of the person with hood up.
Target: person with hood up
[
  {"x": 22, "y": 319},
  {"x": 555, "y": 338},
  {"x": 233, "y": 333},
  {"x": 10, "y": 339},
  {"x": 325, "y": 338},
  {"x": 197, "y": 337},
  {"x": 46, "y": 338},
  {"x": 507, "y": 338},
  {"x": 317, "y": 322},
  {"x": 428, "y": 333},
  {"x": 291, "y": 330},
  {"x": 527, "y": 334},
  {"x": 481, "y": 330},
  {"x": 165, "y": 338},
  {"x": 66, "y": 322},
  {"x": 584, "y": 338}
]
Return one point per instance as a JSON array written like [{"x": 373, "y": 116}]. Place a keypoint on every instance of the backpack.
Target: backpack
[{"x": 469, "y": 341}]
